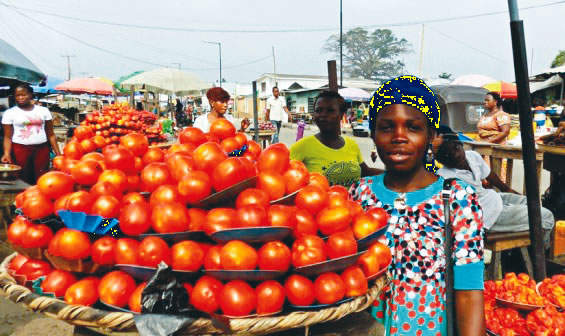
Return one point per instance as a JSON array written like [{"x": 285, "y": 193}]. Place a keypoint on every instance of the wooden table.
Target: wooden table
[
  {"x": 8, "y": 194},
  {"x": 511, "y": 153},
  {"x": 483, "y": 148},
  {"x": 264, "y": 138}
]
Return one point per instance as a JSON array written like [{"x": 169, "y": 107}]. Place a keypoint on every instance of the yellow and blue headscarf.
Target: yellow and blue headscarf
[{"x": 407, "y": 90}]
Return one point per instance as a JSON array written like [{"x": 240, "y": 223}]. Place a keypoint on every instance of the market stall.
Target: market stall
[{"x": 15, "y": 68}]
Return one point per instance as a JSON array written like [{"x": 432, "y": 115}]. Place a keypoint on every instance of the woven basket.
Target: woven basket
[{"x": 107, "y": 322}]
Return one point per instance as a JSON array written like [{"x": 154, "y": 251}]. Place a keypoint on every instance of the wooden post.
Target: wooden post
[
  {"x": 255, "y": 113},
  {"x": 332, "y": 76}
]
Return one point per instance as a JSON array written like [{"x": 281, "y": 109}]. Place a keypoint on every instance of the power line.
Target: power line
[
  {"x": 301, "y": 30},
  {"x": 468, "y": 46}
]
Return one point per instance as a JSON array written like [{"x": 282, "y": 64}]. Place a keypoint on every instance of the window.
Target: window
[
  {"x": 473, "y": 113},
  {"x": 263, "y": 87},
  {"x": 311, "y": 105}
]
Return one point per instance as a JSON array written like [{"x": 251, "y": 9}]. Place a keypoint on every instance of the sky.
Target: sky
[{"x": 44, "y": 30}]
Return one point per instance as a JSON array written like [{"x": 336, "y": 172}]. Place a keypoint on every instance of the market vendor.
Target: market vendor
[
  {"x": 404, "y": 114},
  {"x": 494, "y": 126},
  {"x": 28, "y": 132},
  {"x": 337, "y": 157},
  {"x": 218, "y": 99}
]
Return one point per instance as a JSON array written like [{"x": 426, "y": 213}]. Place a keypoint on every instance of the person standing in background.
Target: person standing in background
[
  {"x": 276, "y": 106},
  {"x": 494, "y": 126}
]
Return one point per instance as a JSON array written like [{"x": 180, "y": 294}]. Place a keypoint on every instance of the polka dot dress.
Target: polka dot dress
[{"x": 414, "y": 302}]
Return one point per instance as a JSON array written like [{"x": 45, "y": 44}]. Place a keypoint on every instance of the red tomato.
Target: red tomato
[
  {"x": 120, "y": 158},
  {"x": 270, "y": 297},
  {"x": 105, "y": 188},
  {"x": 125, "y": 251},
  {"x": 252, "y": 196},
  {"x": 33, "y": 269},
  {"x": 333, "y": 219},
  {"x": 106, "y": 206},
  {"x": 230, "y": 144},
  {"x": 251, "y": 216},
  {"x": 103, "y": 251},
  {"x": 58, "y": 162},
  {"x": 73, "y": 150},
  {"x": 354, "y": 208},
  {"x": 249, "y": 156},
  {"x": 228, "y": 173},
  {"x": 17, "y": 262},
  {"x": 380, "y": 215},
  {"x": 37, "y": 236},
  {"x": 135, "y": 219},
  {"x": 116, "y": 288},
  {"x": 83, "y": 132},
  {"x": 305, "y": 223},
  {"x": 222, "y": 128},
  {"x": 206, "y": 294},
  {"x": 212, "y": 260},
  {"x": 355, "y": 282},
  {"x": 155, "y": 175},
  {"x": 83, "y": 292},
  {"x": 61, "y": 203},
  {"x": 254, "y": 148},
  {"x": 271, "y": 183},
  {"x": 382, "y": 252},
  {"x": 195, "y": 186},
  {"x": 180, "y": 165},
  {"x": 364, "y": 224},
  {"x": 308, "y": 250},
  {"x": 339, "y": 190},
  {"x": 93, "y": 156},
  {"x": 86, "y": 172},
  {"x": 274, "y": 160},
  {"x": 295, "y": 179},
  {"x": 281, "y": 215},
  {"x": 133, "y": 183},
  {"x": 99, "y": 141},
  {"x": 299, "y": 290},
  {"x": 17, "y": 231},
  {"x": 340, "y": 244},
  {"x": 151, "y": 251},
  {"x": 55, "y": 184},
  {"x": 136, "y": 143},
  {"x": 312, "y": 199},
  {"x": 187, "y": 256},
  {"x": 134, "y": 302},
  {"x": 295, "y": 164},
  {"x": 53, "y": 248},
  {"x": 138, "y": 165},
  {"x": 220, "y": 219},
  {"x": 318, "y": 179},
  {"x": 153, "y": 154},
  {"x": 197, "y": 219},
  {"x": 88, "y": 145},
  {"x": 164, "y": 193},
  {"x": 74, "y": 245},
  {"x": 208, "y": 156},
  {"x": 329, "y": 288},
  {"x": 237, "y": 255},
  {"x": 274, "y": 256},
  {"x": 57, "y": 282},
  {"x": 337, "y": 200},
  {"x": 238, "y": 299},
  {"x": 241, "y": 138},
  {"x": 116, "y": 177},
  {"x": 133, "y": 197},
  {"x": 69, "y": 164},
  {"x": 79, "y": 201},
  {"x": 171, "y": 217},
  {"x": 192, "y": 135},
  {"x": 280, "y": 146}
]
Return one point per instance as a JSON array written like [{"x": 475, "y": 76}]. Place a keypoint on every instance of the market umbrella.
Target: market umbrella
[
  {"x": 119, "y": 82},
  {"x": 506, "y": 90},
  {"x": 49, "y": 86},
  {"x": 354, "y": 94},
  {"x": 167, "y": 81},
  {"x": 473, "y": 80},
  {"x": 16, "y": 68},
  {"x": 92, "y": 85}
]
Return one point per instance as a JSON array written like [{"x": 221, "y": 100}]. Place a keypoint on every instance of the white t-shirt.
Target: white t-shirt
[
  {"x": 276, "y": 108},
  {"x": 490, "y": 200},
  {"x": 29, "y": 126},
  {"x": 203, "y": 124}
]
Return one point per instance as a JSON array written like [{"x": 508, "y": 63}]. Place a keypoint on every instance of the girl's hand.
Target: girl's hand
[{"x": 6, "y": 158}]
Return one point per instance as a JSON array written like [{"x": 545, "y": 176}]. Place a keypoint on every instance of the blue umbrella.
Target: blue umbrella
[
  {"x": 16, "y": 68},
  {"x": 49, "y": 87}
]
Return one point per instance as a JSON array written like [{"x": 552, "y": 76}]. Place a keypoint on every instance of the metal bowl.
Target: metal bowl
[{"x": 9, "y": 172}]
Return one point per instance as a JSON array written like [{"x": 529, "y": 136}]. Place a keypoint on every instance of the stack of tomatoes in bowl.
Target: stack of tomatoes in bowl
[{"x": 247, "y": 235}]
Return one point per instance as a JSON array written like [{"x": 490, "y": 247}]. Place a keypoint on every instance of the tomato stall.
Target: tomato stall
[{"x": 121, "y": 236}]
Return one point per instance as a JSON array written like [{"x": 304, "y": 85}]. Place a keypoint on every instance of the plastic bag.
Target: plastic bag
[{"x": 164, "y": 294}]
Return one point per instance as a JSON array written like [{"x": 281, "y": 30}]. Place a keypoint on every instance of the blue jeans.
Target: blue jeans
[{"x": 277, "y": 124}]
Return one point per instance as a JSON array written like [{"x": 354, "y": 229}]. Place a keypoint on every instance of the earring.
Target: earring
[{"x": 430, "y": 154}]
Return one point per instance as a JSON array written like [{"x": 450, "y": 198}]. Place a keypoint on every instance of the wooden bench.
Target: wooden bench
[{"x": 503, "y": 241}]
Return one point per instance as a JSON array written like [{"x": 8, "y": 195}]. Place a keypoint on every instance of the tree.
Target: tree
[
  {"x": 370, "y": 55},
  {"x": 445, "y": 75},
  {"x": 559, "y": 60}
]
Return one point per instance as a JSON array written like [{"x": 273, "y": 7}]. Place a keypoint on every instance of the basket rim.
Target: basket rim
[{"x": 124, "y": 322}]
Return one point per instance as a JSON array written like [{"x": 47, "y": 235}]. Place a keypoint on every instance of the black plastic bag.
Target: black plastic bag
[{"x": 164, "y": 294}]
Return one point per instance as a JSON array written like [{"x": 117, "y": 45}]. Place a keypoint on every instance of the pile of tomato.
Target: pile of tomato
[
  {"x": 553, "y": 289},
  {"x": 117, "y": 120},
  {"x": 153, "y": 191}
]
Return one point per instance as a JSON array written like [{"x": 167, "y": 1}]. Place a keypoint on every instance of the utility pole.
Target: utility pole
[
  {"x": 68, "y": 65},
  {"x": 177, "y": 64},
  {"x": 340, "y": 44},
  {"x": 274, "y": 66},
  {"x": 532, "y": 61},
  {"x": 421, "y": 52},
  {"x": 219, "y": 45}
]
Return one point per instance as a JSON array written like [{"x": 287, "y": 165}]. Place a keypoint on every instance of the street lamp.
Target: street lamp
[{"x": 219, "y": 45}]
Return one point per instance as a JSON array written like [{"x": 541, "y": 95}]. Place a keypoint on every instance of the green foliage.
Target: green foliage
[
  {"x": 559, "y": 60},
  {"x": 370, "y": 55}
]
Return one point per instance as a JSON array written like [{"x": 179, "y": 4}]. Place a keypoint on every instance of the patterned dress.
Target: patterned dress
[{"x": 414, "y": 302}]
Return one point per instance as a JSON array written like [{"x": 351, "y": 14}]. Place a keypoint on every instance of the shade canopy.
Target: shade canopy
[
  {"x": 16, "y": 68},
  {"x": 166, "y": 81},
  {"x": 354, "y": 94},
  {"x": 473, "y": 80},
  {"x": 506, "y": 90},
  {"x": 91, "y": 85},
  {"x": 49, "y": 87},
  {"x": 118, "y": 83}
]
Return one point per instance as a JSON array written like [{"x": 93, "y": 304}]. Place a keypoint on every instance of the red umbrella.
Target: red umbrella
[
  {"x": 90, "y": 85},
  {"x": 506, "y": 90}
]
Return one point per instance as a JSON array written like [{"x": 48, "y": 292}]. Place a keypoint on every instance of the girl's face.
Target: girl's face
[
  {"x": 326, "y": 114},
  {"x": 219, "y": 106},
  {"x": 402, "y": 136},
  {"x": 23, "y": 96}
]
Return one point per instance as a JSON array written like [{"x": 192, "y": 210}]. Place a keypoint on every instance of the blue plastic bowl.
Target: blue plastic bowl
[{"x": 88, "y": 223}]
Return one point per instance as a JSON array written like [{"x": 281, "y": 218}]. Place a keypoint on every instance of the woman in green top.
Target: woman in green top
[{"x": 328, "y": 152}]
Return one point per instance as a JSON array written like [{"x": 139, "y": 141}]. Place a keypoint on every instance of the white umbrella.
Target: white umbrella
[
  {"x": 167, "y": 81},
  {"x": 354, "y": 94},
  {"x": 473, "y": 80}
]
